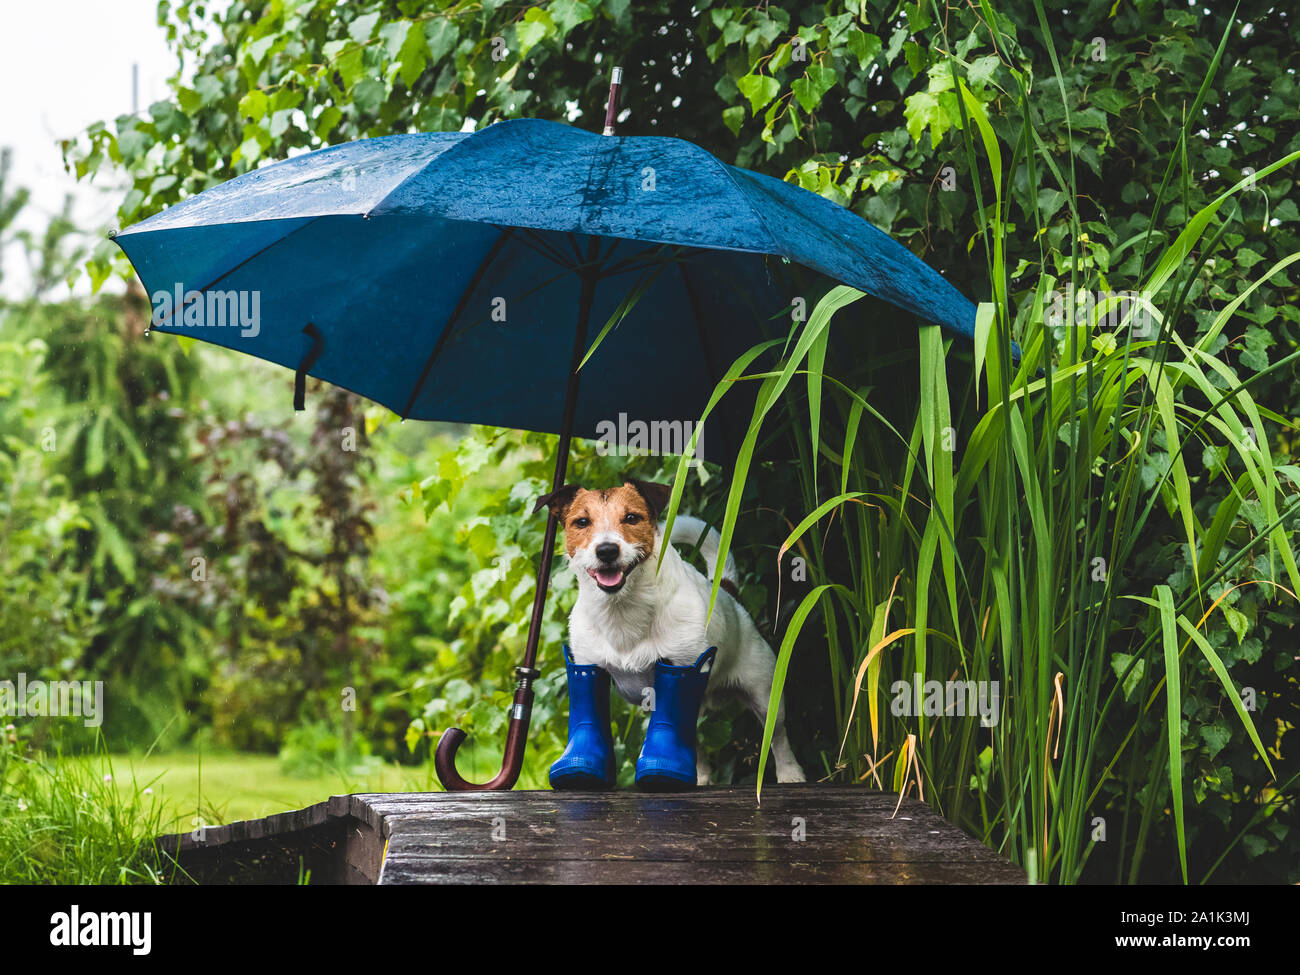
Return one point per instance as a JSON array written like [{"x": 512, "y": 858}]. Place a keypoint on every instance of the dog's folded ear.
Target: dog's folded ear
[
  {"x": 656, "y": 495},
  {"x": 557, "y": 501}
]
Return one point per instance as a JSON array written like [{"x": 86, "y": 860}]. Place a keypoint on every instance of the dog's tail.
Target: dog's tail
[{"x": 691, "y": 531}]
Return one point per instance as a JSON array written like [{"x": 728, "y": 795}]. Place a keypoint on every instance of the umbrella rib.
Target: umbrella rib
[
  {"x": 652, "y": 258},
  {"x": 612, "y": 247},
  {"x": 517, "y": 296},
  {"x": 577, "y": 251},
  {"x": 460, "y": 307},
  {"x": 653, "y": 255},
  {"x": 629, "y": 268},
  {"x": 710, "y": 360},
  {"x": 727, "y": 171},
  {"x": 225, "y": 274},
  {"x": 540, "y": 245}
]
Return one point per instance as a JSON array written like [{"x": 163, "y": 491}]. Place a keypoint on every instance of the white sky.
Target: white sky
[{"x": 63, "y": 65}]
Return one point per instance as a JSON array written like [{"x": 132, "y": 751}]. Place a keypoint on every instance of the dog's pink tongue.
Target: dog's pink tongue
[{"x": 608, "y": 577}]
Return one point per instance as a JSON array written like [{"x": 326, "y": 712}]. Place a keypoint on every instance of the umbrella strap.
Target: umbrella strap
[{"x": 308, "y": 360}]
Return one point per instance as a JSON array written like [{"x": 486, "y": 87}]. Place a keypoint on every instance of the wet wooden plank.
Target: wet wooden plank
[
  {"x": 331, "y": 842},
  {"x": 802, "y": 834},
  {"x": 401, "y": 870},
  {"x": 799, "y": 834}
]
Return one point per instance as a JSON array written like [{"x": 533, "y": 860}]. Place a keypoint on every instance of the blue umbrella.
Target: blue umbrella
[{"x": 454, "y": 276}]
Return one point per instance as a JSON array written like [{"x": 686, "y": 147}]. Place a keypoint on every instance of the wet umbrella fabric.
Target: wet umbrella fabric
[{"x": 435, "y": 269}]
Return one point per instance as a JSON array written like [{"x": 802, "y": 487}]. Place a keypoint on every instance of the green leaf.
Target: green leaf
[
  {"x": 280, "y": 122},
  {"x": 1216, "y": 737},
  {"x": 394, "y": 35},
  {"x": 112, "y": 544},
  {"x": 329, "y": 118},
  {"x": 253, "y": 105},
  {"x": 535, "y": 26},
  {"x": 369, "y": 94},
  {"x": 863, "y": 46},
  {"x": 984, "y": 313},
  {"x": 569, "y": 14},
  {"x": 1109, "y": 100},
  {"x": 982, "y": 70},
  {"x": 1120, "y": 663},
  {"x": 256, "y": 52},
  {"x": 94, "y": 464},
  {"x": 1238, "y": 622},
  {"x": 351, "y": 66},
  {"x": 1174, "y": 715},
  {"x": 189, "y": 100},
  {"x": 361, "y": 28},
  {"x": 815, "y": 83},
  {"x": 441, "y": 34},
  {"x": 1230, "y": 690},
  {"x": 208, "y": 88},
  {"x": 778, "y": 677},
  {"x": 249, "y": 151},
  {"x": 920, "y": 110},
  {"x": 759, "y": 89},
  {"x": 414, "y": 56},
  {"x": 733, "y": 118}
]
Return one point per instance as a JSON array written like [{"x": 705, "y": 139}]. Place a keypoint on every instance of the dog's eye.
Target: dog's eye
[
  {"x": 631, "y": 518},
  {"x": 581, "y": 522}
]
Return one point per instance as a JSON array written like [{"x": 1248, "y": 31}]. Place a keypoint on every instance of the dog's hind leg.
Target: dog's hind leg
[
  {"x": 787, "y": 766},
  {"x": 757, "y": 694},
  {"x": 703, "y": 771},
  {"x": 754, "y": 681}
]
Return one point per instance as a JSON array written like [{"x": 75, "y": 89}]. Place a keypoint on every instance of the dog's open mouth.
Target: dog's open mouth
[{"x": 609, "y": 579}]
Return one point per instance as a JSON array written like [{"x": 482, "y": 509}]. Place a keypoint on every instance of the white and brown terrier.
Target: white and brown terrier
[{"x": 630, "y": 614}]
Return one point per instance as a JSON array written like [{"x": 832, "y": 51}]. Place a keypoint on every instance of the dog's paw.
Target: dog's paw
[{"x": 791, "y": 773}]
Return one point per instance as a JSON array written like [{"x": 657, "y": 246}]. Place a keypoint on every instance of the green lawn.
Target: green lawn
[
  {"x": 225, "y": 787},
  {"x": 84, "y": 820}
]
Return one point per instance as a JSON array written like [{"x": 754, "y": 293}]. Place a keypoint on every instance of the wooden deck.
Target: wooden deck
[{"x": 805, "y": 834}]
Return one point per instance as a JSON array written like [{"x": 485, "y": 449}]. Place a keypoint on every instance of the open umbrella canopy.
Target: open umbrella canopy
[{"x": 435, "y": 270}]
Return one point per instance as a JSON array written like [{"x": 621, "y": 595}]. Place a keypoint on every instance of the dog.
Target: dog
[{"x": 630, "y": 614}]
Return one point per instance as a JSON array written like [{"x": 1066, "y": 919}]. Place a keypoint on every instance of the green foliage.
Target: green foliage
[
  {"x": 12, "y": 202},
  {"x": 119, "y": 439},
  {"x": 1017, "y": 536},
  {"x": 69, "y": 822},
  {"x": 45, "y": 616},
  {"x": 276, "y": 565}
]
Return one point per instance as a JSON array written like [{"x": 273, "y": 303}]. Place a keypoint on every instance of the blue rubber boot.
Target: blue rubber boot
[
  {"x": 588, "y": 759},
  {"x": 667, "y": 762}
]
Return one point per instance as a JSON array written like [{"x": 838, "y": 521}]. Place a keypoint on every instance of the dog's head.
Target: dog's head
[{"x": 607, "y": 533}]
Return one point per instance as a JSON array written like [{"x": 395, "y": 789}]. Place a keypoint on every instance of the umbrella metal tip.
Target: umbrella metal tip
[{"x": 611, "y": 109}]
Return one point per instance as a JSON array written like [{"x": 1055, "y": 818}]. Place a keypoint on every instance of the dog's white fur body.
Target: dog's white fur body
[{"x": 660, "y": 615}]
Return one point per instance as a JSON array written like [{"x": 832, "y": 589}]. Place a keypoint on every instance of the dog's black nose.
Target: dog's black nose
[{"x": 607, "y": 552}]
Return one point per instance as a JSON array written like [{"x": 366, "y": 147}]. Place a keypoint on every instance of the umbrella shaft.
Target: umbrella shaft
[{"x": 590, "y": 274}]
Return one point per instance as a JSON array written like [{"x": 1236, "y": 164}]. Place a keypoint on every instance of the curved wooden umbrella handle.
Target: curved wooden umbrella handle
[{"x": 444, "y": 758}]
